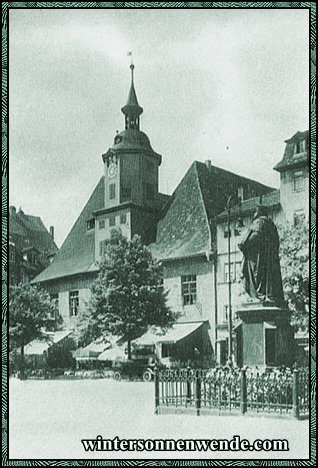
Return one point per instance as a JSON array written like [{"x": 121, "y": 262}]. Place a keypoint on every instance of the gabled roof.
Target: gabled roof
[
  {"x": 77, "y": 254},
  {"x": 29, "y": 231},
  {"x": 292, "y": 159},
  {"x": 184, "y": 228},
  {"x": 218, "y": 184}
]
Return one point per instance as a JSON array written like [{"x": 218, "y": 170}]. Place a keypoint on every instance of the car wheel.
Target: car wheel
[
  {"x": 117, "y": 376},
  {"x": 147, "y": 376}
]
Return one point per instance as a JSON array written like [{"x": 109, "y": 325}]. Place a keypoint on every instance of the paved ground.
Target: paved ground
[{"x": 48, "y": 419}]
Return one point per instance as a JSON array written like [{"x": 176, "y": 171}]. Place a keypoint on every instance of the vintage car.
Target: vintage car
[
  {"x": 132, "y": 369},
  {"x": 135, "y": 369}
]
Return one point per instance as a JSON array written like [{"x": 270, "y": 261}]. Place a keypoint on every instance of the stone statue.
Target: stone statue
[{"x": 261, "y": 268}]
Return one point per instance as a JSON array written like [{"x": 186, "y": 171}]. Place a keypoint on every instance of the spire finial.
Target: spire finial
[
  {"x": 132, "y": 109},
  {"x": 132, "y": 66}
]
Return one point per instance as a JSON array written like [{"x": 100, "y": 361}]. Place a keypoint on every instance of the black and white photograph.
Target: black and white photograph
[{"x": 159, "y": 217}]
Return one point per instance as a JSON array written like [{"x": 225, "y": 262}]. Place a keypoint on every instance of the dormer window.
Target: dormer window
[
  {"x": 300, "y": 147},
  {"x": 240, "y": 193},
  {"x": 90, "y": 224}
]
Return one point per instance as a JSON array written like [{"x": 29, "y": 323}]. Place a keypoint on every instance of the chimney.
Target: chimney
[
  {"x": 52, "y": 231},
  {"x": 12, "y": 210},
  {"x": 208, "y": 164}
]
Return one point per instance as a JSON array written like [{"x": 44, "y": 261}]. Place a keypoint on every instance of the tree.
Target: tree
[
  {"x": 30, "y": 316},
  {"x": 294, "y": 259},
  {"x": 127, "y": 297}
]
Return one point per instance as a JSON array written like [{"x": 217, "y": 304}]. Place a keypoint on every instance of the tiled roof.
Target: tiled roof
[
  {"x": 77, "y": 253},
  {"x": 184, "y": 228},
  {"x": 270, "y": 200},
  {"x": 218, "y": 184},
  {"x": 290, "y": 158},
  {"x": 29, "y": 231}
]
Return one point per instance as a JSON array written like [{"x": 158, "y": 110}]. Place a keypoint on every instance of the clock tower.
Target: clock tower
[{"x": 131, "y": 173}]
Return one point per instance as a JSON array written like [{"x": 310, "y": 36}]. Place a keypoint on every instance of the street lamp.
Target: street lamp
[{"x": 240, "y": 224}]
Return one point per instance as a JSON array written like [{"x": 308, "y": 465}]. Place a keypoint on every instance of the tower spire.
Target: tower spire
[{"x": 132, "y": 109}]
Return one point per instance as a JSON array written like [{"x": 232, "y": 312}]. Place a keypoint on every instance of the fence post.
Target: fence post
[
  {"x": 198, "y": 394},
  {"x": 156, "y": 380},
  {"x": 243, "y": 391},
  {"x": 296, "y": 393},
  {"x": 188, "y": 385}
]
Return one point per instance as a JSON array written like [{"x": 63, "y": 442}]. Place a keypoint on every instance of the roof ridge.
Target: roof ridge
[
  {"x": 203, "y": 203},
  {"x": 226, "y": 171}
]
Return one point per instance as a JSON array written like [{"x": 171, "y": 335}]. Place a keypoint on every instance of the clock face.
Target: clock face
[{"x": 112, "y": 170}]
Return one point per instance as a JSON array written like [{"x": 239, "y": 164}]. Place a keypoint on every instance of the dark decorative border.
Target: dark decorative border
[{"x": 311, "y": 6}]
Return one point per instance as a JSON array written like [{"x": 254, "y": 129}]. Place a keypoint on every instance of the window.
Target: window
[
  {"x": 150, "y": 192},
  {"x": 101, "y": 248},
  {"x": 240, "y": 193},
  {"x": 189, "y": 289},
  {"x": 73, "y": 303},
  {"x": 112, "y": 191},
  {"x": 160, "y": 284},
  {"x": 90, "y": 224},
  {"x": 299, "y": 217},
  {"x": 236, "y": 232},
  {"x": 225, "y": 314},
  {"x": 101, "y": 224},
  {"x": 32, "y": 258},
  {"x": 112, "y": 221},
  {"x": 123, "y": 219},
  {"x": 235, "y": 271},
  {"x": 300, "y": 147},
  {"x": 55, "y": 302},
  {"x": 167, "y": 350},
  {"x": 12, "y": 255},
  {"x": 299, "y": 182}
]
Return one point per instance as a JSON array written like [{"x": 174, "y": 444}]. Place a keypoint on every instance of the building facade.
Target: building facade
[
  {"x": 186, "y": 231},
  {"x": 31, "y": 246}
]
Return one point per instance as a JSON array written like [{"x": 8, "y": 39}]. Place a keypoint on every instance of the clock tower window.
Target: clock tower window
[{"x": 112, "y": 191}]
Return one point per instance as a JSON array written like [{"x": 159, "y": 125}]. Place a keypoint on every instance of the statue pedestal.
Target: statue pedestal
[{"x": 264, "y": 336}]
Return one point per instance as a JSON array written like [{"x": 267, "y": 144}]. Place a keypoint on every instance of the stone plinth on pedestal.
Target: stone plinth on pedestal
[{"x": 264, "y": 336}]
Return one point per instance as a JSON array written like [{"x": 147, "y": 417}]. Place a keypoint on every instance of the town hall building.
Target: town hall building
[{"x": 187, "y": 231}]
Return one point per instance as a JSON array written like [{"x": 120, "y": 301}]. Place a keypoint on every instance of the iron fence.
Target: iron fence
[{"x": 233, "y": 391}]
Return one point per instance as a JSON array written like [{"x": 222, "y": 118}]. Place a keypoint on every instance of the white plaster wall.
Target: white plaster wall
[
  {"x": 84, "y": 297},
  {"x": 204, "y": 308}
]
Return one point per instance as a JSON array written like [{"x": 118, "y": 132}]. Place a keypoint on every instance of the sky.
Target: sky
[{"x": 225, "y": 85}]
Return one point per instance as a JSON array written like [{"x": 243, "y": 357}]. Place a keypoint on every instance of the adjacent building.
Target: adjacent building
[
  {"x": 187, "y": 231},
  {"x": 31, "y": 246}
]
